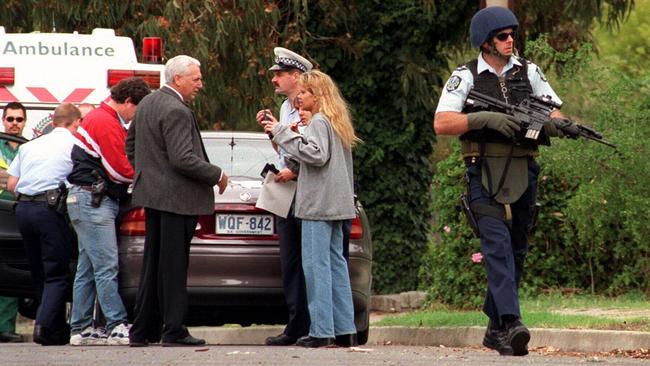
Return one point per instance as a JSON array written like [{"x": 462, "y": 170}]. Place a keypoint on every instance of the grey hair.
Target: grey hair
[{"x": 179, "y": 65}]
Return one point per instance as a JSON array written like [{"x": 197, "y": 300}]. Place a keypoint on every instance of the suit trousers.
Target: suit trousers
[
  {"x": 48, "y": 244},
  {"x": 504, "y": 248},
  {"x": 161, "y": 303}
]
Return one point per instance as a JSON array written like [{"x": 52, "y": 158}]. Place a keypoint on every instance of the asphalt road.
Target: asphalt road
[{"x": 30, "y": 354}]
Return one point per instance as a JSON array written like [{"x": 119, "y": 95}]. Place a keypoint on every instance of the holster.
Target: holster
[
  {"x": 56, "y": 198},
  {"x": 467, "y": 210}
]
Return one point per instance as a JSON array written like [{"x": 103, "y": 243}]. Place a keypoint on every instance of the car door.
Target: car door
[{"x": 14, "y": 272}]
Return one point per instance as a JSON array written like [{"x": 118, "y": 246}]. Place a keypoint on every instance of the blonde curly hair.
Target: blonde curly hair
[{"x": 331, "y": 104}]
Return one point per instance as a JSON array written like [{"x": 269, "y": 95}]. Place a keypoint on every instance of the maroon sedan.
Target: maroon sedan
[{"x": 234, "y": 272}]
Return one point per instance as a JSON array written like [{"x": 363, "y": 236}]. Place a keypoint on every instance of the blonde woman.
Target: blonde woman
[{"x": 324, "y": 200}]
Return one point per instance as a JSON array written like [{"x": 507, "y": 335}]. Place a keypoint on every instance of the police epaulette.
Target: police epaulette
[{"x": 461, "y": 67}]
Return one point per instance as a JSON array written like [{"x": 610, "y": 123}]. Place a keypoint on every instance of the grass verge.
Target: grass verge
[{"x": 630, "y": 312}]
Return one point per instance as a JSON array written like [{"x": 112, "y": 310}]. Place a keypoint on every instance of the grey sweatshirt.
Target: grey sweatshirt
[{"x": 325, "y": 184}]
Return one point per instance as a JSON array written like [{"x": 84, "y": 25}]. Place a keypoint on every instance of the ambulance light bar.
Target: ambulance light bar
[
  {"x": 150, "y": 77},
  {"x": 7, "y": 75},
  {"x": 152, "y": 48}
]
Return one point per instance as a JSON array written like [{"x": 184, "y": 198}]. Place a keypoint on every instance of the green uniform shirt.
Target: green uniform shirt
[{"x": 7, "y": 155}]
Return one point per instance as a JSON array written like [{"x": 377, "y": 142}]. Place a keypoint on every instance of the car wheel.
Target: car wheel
[{"x": 28, "y": 308}]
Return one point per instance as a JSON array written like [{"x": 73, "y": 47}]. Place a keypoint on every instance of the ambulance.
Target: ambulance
[{"x": 43, "y": 70}]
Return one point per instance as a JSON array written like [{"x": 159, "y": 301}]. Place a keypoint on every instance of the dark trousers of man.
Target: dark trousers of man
[
  {"x": 293, "y": 277},
  {"x": 48, "y": 242},
  {"x": 161, "y": 303},
  {"x": 504, "y": 249}
]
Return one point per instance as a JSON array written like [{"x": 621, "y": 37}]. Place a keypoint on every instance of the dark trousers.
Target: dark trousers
[
  {"x": 48, "y": 244},
  {"x": 504, "y": 248},
  {"x": 293, "y": 277},
  {"x": 161, "y": 302}
]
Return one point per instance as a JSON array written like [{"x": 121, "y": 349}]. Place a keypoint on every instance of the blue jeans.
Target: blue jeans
[
  {"x": 97, "y": 267},
  {"x": 327, "y": 280}
]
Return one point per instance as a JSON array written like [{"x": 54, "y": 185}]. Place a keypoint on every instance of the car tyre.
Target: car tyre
[{"x": 28, "y": 307}]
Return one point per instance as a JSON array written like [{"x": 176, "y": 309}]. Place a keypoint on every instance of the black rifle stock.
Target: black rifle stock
[{"x": 531, "y": 114}]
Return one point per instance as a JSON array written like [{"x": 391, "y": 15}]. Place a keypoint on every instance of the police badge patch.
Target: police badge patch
[{"x": 453, "y": 83}]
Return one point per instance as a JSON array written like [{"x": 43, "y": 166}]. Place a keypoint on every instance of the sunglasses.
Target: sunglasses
[
  {"x": 17, "y": 119},
  {"x": 504, "y": 36}
]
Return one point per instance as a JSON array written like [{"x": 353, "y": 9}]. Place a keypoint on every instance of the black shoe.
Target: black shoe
[
  {"x": 518, "y": 337},
  {"x": 137, "y": 343},
  {"x": 281, "y": 340},
  {"x": 46, "y": 337},
  {"x": 314, "y": 342},
  {"x": 188, "y": 341},
  {"x": 10, "y": 337},
  {"x": 496, "y": 338},
  {"x": 346, "y": 340}
]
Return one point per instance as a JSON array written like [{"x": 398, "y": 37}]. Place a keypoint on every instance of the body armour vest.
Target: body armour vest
[{"x": 512, "y": 89}]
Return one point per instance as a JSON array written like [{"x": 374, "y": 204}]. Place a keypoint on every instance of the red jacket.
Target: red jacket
[{"x": 102, "y": 135}]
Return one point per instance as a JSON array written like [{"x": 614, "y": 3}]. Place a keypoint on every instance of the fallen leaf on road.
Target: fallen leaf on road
[{"x": 359, "y": 349}]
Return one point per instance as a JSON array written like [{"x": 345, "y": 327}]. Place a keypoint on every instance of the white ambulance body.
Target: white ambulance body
[{"x": 42, "y": 70}]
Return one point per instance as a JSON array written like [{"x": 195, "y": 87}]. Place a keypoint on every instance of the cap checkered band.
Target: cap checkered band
[{"x": 291, "y": 63}]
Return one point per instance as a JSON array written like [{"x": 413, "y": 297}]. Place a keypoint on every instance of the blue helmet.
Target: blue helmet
[{"x": 488, "y": 20}]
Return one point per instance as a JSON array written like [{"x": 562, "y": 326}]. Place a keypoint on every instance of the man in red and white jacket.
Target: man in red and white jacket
[{"x": 99, "y": 156}]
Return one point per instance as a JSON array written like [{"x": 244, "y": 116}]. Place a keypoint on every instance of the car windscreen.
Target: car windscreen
[{"x": 240, "y": 156}]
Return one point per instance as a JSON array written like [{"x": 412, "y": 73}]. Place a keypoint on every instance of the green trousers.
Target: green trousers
[{"x": 8, "y": 312}]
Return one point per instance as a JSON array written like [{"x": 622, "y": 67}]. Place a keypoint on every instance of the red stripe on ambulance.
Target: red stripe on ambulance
[
  {"x": 78, "y": 95},
  {"x": 6, "y": 96},
  {"x": 43, "y": 95}
]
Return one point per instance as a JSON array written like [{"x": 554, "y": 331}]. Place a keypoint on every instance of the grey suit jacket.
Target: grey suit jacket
[{"x": 172, "y": 171}]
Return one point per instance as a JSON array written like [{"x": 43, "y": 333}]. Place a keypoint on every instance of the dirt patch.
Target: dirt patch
[{"x": 608, "y": 313}]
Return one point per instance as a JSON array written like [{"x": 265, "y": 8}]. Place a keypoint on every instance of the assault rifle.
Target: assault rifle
[{"x": 531, "y": 114}]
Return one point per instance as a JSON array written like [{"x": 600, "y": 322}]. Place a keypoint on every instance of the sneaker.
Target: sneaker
[
  {"x": 119, "y": 335},
  {"x": 89, "y": 337}
]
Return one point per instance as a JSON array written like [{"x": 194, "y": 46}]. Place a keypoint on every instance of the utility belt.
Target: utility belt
[
  {"x": 503, "y": 170},
  {"x": 55, "y": 198},
  {"x": 495, "y": 149}
]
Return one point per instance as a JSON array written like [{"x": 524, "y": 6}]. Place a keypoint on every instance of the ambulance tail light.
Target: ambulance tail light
[
  {"x": 152, "y": 48},
  {"x": 7, "y": 75},
  {"x": 150, "y": 77}
]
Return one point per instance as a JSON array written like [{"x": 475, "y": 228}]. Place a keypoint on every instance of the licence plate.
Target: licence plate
[{"x": 244, "y": 224}]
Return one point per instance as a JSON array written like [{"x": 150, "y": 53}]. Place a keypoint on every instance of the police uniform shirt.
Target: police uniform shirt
[
  {"x": 43, "y": 162},
  {"x": 288, "y": 115},
  {"x": 461, "y": 82}
]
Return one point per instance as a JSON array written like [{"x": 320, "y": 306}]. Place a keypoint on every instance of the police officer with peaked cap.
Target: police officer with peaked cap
[
  {"x": 502, "y": 177},
  {"x": 286, "y": 71}
]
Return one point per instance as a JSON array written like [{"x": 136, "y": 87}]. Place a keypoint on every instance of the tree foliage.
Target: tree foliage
[
  {"x": 568, "y": 23},
  {"x": 389, "y": 58}
]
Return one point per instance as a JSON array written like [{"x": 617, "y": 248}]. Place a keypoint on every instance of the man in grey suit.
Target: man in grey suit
[{"x": 174, "y": 182}]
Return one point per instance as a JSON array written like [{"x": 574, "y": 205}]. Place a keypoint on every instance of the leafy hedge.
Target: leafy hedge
[
  {"x": 593, "y": 228},
  {"x": 386, "y": 61}
]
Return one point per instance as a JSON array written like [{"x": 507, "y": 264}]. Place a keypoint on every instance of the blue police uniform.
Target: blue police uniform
[
  {"x": 504, "y": 237},
  {"x": 39, "y": 166}
]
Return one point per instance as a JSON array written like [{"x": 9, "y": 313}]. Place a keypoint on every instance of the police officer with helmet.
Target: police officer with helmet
[{"x": 501, "y": 169}]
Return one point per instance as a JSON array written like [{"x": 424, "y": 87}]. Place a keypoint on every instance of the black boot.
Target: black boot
[
  {"x": 518, "y": 336},
  {"x": 496, "y": 338},
  {"x": 346, "y": 340}
]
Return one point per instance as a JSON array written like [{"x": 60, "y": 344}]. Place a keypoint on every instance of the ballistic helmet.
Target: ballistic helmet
[{"x": 487, "y": 21}]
